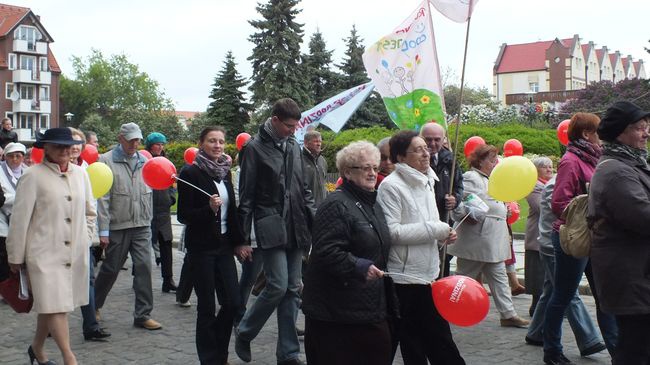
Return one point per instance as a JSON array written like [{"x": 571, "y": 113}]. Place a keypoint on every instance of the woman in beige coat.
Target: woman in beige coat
[
  {"x": 483, "y": 241},
  {"x": 51, "y": 224}
]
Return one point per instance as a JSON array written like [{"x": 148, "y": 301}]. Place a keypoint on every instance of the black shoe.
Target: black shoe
[
  {"x": 593, "y": 349},
  {"x": 556, "y": 359},
  {"x": 32, "y": 358},
  {"x": 242, "y": 348},
  {"x": 295, "y": 361},
  {"x": 169, "y": 285},
  {"x": 532, "y": 342},
  {"x": 98, "y": 335},
  {"x": 300, "y": 332}
]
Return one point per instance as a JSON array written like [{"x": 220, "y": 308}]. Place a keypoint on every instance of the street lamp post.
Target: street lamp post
[{"x": 68, "y": 116}]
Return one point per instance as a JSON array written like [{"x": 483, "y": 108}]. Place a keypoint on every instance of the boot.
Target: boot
[
  {"x": 515, "y": 287},
  {"x": 169, "y": 285}
]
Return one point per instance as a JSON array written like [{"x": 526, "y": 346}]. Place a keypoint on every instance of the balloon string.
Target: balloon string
[
  {"x": 406, "y": 275},
  {"x": 192, "y": 185}
]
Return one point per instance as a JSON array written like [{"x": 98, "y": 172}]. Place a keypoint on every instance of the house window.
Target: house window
[
  {"x": 27, "y": 62},
  {"x": 43, "y": 64},
  {"x": 45, "y": 93},
  {"x": 533, "y": 86},
  {"x": 45, "y": 121},
  {"x": 12, "y": 61},
  {"x": 27, "y": 121},
  {"x": 27, "y": 92},
  {"x": 9, "y": 88},
  {"x": 29, "y": 34}
]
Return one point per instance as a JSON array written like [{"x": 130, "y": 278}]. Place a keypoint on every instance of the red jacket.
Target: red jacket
[{"x": 573, "y": 174}]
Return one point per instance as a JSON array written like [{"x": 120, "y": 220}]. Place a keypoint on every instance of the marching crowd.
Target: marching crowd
[{"x": 358, "y": 261}]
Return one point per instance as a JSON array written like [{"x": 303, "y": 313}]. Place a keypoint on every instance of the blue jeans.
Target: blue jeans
[
  {"x": 88, "y": 311},
  {"x": 282, "y": 268},
  {"x": 568, "y": 273},
  {"x": 583, "y": 327},
  {"x": 250, "y": 270}
]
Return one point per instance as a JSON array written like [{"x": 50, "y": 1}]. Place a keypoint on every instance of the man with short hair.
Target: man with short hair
[
  {"x": 272, "y": 194},
  {"x": 91, "y": 138},
  {"x": 125, "y": 225},
  {"x": 7, "y": 135},
  {"x": 441, "y": 163},
  {"x": 386, "y": 166},
  {"x": 314, "y": 166}
]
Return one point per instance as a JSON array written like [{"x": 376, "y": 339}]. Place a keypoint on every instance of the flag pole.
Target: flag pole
[{"x": 454, "y": 146}]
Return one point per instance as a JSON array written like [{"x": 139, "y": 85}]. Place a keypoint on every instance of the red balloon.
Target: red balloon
[
  {"x": 563, "y": 131},
  {"x": 241, "y": 139},
  {"x": 190, "y": 155},
  {"x": 472, "y": 143},
  {"x": 460, "y": 300},
  {"x": 89, "y": 154},
  {"x": 158, "y": 173},
  {"x": 146, "y": 154},
  {"x": 339, "y": 182},
  {"x": 37, "y": 155},
  {"x": 513, "y": 208},
  {"x": 513, "y": 147}
]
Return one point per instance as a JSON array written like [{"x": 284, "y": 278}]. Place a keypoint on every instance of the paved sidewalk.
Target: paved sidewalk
[{"x": 486, "y": 343}]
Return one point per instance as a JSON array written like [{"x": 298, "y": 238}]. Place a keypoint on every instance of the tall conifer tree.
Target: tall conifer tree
[{"x": 322, "y": 80}]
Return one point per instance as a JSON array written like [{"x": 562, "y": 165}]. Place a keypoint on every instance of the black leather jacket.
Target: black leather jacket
[
  {"x": 443, "y": 171},
  {"x": 344, "y": 236},
  {"x": 282, "y": 207}
]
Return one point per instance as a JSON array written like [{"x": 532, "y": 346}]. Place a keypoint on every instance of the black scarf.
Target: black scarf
[{"x": 217, "y": 169}]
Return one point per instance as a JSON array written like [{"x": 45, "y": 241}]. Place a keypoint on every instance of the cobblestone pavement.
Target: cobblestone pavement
[{"x": 486, "y": 343}]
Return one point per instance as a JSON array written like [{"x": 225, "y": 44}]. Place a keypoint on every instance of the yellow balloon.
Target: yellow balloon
[
  {"x": 101, "y": 178},
  {"x": 512, "y": 179}
]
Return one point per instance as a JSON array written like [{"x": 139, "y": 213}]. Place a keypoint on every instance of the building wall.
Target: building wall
[
  {"x": 54, "y": 96},
  {"x": 519, "y": 82}
]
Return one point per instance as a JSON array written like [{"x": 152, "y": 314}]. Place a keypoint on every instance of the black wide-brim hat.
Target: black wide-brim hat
[
  {"x": 618, "y": 117},
  {"x": 61, "y": 136}
]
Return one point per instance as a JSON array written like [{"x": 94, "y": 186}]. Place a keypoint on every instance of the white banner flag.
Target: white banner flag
[
  {"x": 335, "y": 111},
  {"x": 404, "y": 67},
  {"x": 456, "y": 10}
]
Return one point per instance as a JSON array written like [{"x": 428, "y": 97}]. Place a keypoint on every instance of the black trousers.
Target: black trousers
[
  {"x": 185, "y": 286},
  {"x": 214, "y": 273},
  {"x": 166, "y": 257},
  {"x": 422, "y": 333},
  {"x": 4, "y": 263},
  {"x": 633, "y": 340},
  {"x": 329, "y": 343}
]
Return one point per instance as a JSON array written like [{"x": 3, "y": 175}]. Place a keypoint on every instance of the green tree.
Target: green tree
[
  {"x": 322, "y": 80},
  {"x": 372, "y": 112},
  {"x": 277, "y": 68},
  {"x": 108, "y": 87},
  {"x": 229, "y": 108},
  {"x": 471, "y": 96},
  {"x": 598, "y": 96}
]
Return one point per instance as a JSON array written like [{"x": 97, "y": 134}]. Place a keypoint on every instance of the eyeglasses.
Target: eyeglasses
[
  {"x": 366, "y": 169},
  {"x": 289, "y": 125},
  {"x": 420, "y": 150}
]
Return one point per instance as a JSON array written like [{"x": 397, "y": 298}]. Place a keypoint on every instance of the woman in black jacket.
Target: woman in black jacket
[
  {"x": 344, "y": 299},
  {"x": 211, "y": 236}
]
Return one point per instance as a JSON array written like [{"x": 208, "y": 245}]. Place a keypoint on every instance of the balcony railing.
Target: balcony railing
[
  {"x": 32, "y": 77},
  {"x": 25, "y": 46},
  {"x": 540, "y": 97}
]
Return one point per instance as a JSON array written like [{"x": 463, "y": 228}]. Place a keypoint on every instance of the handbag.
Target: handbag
[{"x": 14, "y": 289}]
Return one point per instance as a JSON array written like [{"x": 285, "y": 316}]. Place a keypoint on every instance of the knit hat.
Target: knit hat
[
  {"x": 618, "y": 117},
  {"x": 154, "y": 138}
]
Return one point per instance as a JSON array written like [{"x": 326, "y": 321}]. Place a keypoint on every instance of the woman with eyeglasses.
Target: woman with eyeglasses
[
  {"x": 344, "y": 299},
  {"x": 408, "y": 200},
  {"x": 483, "y": 239}
]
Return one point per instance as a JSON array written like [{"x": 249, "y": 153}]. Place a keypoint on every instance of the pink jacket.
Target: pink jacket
[{"x": 572, "y": 176}]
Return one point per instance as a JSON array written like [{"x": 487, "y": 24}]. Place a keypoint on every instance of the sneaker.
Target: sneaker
[
  {"x": 184, "y": 304},
  {"x": 98, "y": 335},
  {"x": 242, "y": 348},
  {"x": 148, "y": 324},
  {"x": 556, "y": 359},
  {"x": 515, "y": 321},
  {"x": 533, "y": 342},
  {"x": 593, "y": 349}
]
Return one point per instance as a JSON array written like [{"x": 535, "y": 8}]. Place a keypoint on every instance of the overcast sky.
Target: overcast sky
[{"x": 182, "y": 44}]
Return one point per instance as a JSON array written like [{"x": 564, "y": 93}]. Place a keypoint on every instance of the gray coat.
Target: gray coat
[
  {"x": 619, "y": 214},
  {"x": 532, "y": 223},
  {"x": 487, "y": 240},
  {"x": 314, "y": 171}
]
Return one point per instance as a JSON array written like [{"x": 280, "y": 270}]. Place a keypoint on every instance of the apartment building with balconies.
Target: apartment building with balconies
[{"x": 29, "y": 73}]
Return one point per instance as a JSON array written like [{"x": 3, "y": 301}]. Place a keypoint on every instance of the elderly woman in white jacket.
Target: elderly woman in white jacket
[
  {"x": 483, "y": 240},
  {"x": 408, "y": 200}
]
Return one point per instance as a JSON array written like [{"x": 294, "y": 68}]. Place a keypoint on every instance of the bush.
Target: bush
[{"x": 332, "y": 142}]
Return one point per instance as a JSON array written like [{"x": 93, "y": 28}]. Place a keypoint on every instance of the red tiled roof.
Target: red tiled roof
[
  {"x": 599, "y": 54},
  {"x": 186, "y": 114},
  {"x": 10, "y": 16},
  {"x": 637, "y": 67},
  {"x": 524, "y": 57},
  {"x": 612, "y": 59},
  {"x": 54, "y": 66},
  {"x": 625, "y": 62}
]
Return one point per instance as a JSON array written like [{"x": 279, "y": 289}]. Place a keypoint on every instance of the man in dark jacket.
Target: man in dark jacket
[
  {"x": 314, "y": 166},
  {"x": 6, "y": 134},
  {"x": 272, "y": 194},
  {"x": 441, "y": 162}
]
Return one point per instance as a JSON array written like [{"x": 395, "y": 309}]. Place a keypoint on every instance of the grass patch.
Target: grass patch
[{"x": 520, "y": 225}]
